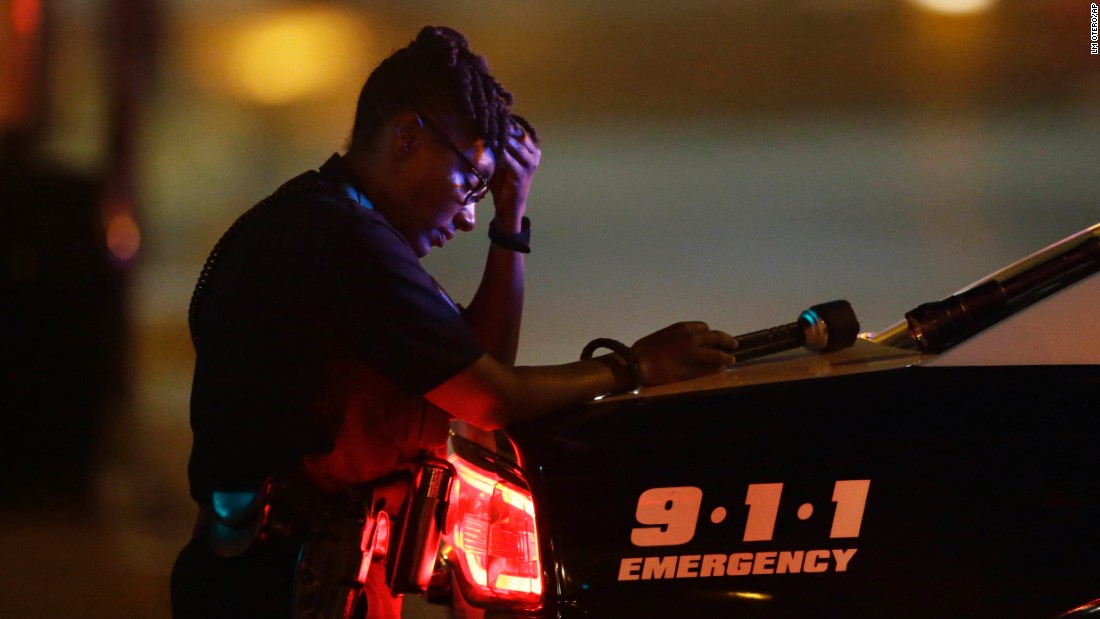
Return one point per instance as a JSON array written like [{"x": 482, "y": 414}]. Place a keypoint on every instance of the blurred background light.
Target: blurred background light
[
  {"x": 19, "y": 26},
  {"x": 26, "y": 16},
  {"x": 955, "y": 7},
  {"x": 282, "y": 56},
  {"x": 123, "y": 236}
]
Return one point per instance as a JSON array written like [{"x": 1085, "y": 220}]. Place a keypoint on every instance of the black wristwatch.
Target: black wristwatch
[{"x": 520, "y": 241}]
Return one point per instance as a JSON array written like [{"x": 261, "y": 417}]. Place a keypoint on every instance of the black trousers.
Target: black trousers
[{"x": 256, "y": 585}]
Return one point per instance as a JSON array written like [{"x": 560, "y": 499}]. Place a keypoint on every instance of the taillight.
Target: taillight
[{"x": 491, "y": 528}]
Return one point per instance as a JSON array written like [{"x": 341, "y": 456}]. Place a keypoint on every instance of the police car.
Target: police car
[{"x": 948, "y": 466}]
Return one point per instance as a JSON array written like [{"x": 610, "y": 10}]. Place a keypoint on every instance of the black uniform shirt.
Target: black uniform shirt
[{"x": 314, "y": 292}]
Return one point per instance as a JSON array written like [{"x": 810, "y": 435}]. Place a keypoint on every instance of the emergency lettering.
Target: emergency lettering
[{"x": 817, "y": 561}]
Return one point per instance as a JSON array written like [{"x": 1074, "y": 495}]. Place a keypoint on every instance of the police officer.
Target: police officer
[{"x": 325, "y": 351}]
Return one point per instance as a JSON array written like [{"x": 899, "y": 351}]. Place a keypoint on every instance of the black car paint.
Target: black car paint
[{"x": 983, "y": 499}]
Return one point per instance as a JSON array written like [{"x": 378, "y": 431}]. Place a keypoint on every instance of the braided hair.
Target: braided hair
[{"x": 437, "y": 74}]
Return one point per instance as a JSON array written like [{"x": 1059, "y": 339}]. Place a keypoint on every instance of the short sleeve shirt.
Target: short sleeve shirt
[{"x": 316, "y": 334}]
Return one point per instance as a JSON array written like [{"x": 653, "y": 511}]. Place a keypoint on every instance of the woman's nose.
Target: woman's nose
[{"x": 466, "y": 218}]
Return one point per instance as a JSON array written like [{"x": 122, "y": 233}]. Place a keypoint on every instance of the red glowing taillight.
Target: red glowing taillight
[{"x": 493, "y": 538}]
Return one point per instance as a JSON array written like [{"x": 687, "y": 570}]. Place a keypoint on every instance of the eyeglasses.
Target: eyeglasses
[{"x": 478, "y": 191}]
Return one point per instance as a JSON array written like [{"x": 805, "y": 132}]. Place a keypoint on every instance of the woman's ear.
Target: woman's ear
[{"x": 407, "y": 133}]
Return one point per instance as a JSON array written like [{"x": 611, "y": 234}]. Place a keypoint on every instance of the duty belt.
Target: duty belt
[{"x": 341, "y": 535}]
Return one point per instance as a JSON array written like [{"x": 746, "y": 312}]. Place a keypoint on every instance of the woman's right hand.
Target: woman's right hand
[{"x": 681, "y": 351}]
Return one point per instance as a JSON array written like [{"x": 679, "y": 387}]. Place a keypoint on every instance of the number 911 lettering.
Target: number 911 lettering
[{"x": 670, "y": 515}]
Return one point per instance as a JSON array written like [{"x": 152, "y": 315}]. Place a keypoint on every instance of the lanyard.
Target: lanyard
[{"x": 351, "y": 192}]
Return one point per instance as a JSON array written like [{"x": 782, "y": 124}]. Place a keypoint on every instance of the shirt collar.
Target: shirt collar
[{"x": 337, "y": 169}]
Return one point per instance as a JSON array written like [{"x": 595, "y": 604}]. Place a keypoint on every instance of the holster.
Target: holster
[
  {"x": 341, "y": 540},
  {"x": 423, "y": 516}
]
